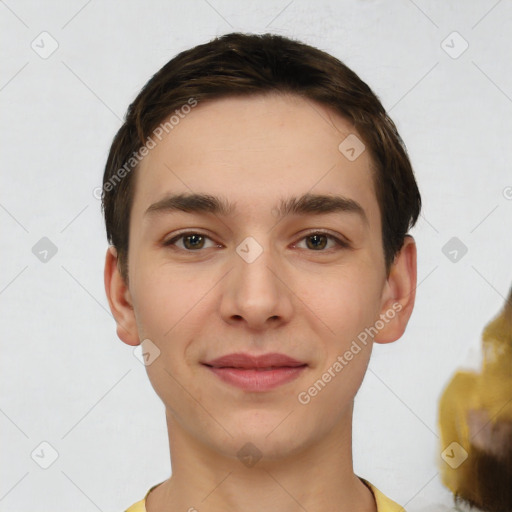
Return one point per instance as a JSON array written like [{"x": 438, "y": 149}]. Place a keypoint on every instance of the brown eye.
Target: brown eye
[
  {"x": 189, "y": 241},
  {"x": 318, "y": 241},
  {"x": 193, "y": 241}
]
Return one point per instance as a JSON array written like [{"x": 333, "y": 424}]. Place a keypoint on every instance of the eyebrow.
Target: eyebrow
[{"x": 306, "y": 204}]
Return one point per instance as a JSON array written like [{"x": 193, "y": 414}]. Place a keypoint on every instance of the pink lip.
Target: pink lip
[{"x": 256, "y": 373}]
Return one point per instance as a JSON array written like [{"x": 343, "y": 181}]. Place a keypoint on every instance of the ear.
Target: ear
[
  {"x": 398, "y": 294},
  {"x": 119, "y": 300}
]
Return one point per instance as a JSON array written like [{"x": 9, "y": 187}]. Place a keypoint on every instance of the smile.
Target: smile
[{"x": 257, "y": 379}]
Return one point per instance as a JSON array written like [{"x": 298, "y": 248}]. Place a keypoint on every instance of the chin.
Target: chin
[
  {"x": 258, "y": 451},
  {"x": 265, "y": 441}
]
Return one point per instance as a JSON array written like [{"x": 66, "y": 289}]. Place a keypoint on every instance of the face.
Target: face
[{"x": 261, "y": 278}]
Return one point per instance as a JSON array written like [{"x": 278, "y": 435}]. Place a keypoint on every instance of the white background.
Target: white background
[{"x": 68, "y": 380}]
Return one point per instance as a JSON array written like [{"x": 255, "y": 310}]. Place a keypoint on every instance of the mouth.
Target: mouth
[{"x": 256, "y": 373}]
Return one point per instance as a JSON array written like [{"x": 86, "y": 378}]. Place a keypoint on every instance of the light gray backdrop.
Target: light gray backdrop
[{"x": 69, "y": 71}]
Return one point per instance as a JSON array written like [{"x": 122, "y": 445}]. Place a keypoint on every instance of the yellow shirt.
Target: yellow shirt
[{"x": 384, "y": 504}]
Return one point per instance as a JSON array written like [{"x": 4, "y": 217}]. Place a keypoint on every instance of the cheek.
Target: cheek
[
  {"x": 149, "y": 303},
  {"x": 345, "y": 302},
  {"x": 169, "y": 307},
  {"x": 164, "y": 313},
  {"x": 159, "y": 301},
  {"x": 160, "y": 291}
]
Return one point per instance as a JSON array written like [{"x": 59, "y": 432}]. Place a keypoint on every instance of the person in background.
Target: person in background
[{"x": 475, "y": 423}]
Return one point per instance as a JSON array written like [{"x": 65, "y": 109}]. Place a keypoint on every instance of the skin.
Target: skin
[{"x": 293, "y": 299}]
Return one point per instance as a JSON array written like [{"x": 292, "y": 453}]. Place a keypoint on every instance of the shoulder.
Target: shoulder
[
  {"x": 140, "y": 506},
  {"x": 384, "y": 504}
]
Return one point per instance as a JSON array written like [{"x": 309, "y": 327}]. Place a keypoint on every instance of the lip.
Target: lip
[
  {"x": 248, "y": 361},
  {"x": 256, "y": 373}
]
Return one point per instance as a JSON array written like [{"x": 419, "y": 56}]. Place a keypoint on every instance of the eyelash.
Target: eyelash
[{"x": 340, "y": 243}]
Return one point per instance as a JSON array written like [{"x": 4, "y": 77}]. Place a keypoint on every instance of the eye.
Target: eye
[
  {"x": 318, "y": 240},
  {"x": 191, "y": 241}
]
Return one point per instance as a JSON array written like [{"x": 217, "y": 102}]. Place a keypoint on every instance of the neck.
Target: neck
[{"x": 312, "y": 477}]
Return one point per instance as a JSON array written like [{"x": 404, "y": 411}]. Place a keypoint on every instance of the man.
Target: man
[{"x": 257, "y": 200}]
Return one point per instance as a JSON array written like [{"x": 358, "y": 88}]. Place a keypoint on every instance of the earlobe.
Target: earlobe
[
  {"x": 400, "y": 293},
  {"x": 120, "y": 300}
]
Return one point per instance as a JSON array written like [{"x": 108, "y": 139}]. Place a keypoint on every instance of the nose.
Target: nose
[{"x": 256, "y": 292}]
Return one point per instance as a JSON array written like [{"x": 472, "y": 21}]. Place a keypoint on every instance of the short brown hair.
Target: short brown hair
[{"x": 246, "y": 64}]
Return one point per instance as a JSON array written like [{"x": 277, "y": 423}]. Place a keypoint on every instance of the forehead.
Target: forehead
[{"x": 254, "y": 150}]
